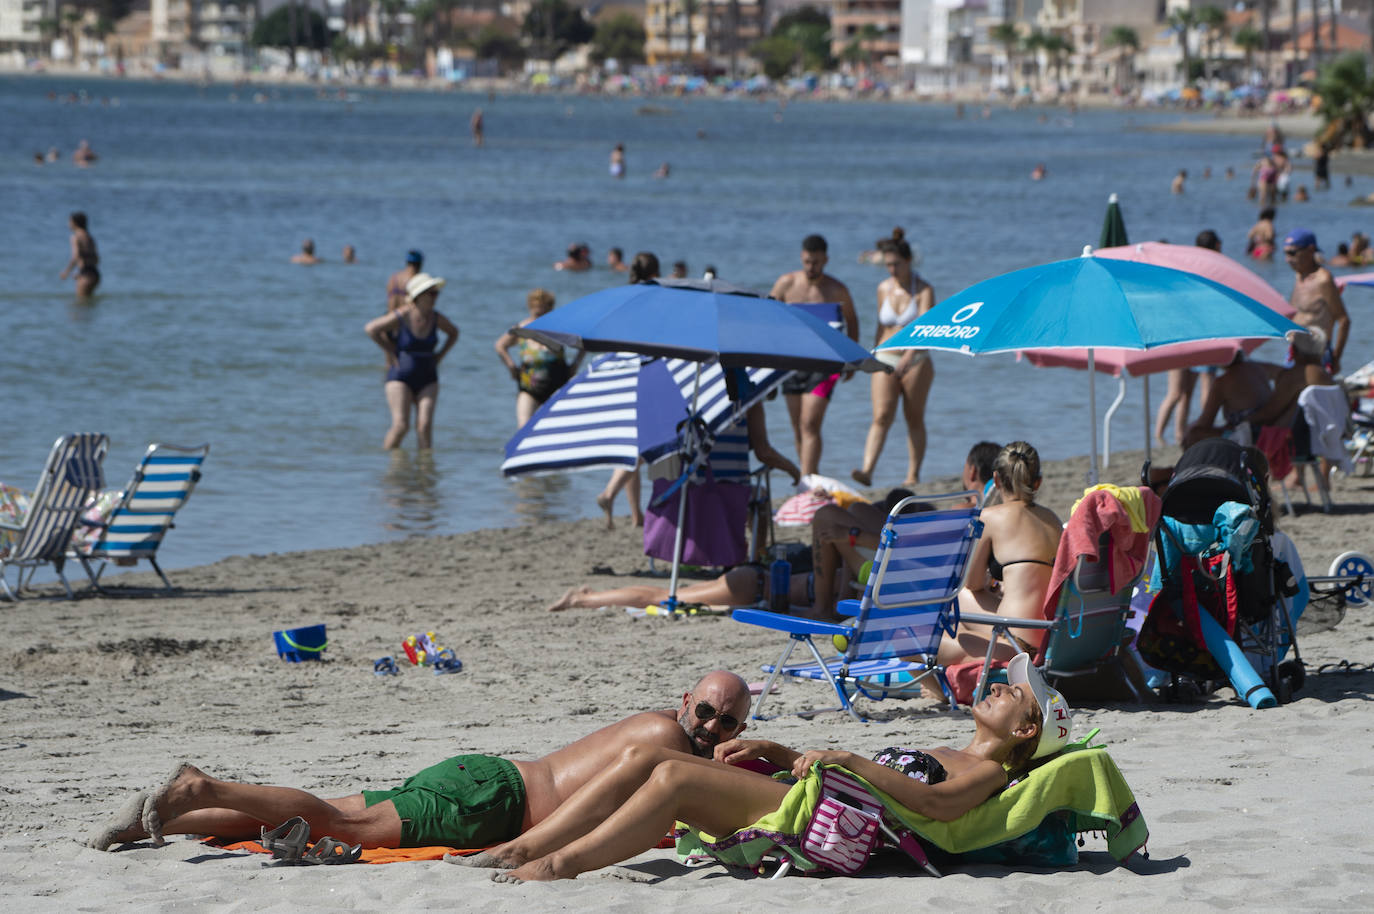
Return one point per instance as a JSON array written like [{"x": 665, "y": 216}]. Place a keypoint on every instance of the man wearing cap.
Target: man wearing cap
[
  {"x": 1316, "y": 297},
  {"x": 396, "y": 285}
]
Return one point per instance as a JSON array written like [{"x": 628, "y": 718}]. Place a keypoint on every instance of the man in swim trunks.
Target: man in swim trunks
[
  {"x": 1316, "y": 296},
  {"x": 465, "y": 802},
  {"x": 808, "y": 394}
]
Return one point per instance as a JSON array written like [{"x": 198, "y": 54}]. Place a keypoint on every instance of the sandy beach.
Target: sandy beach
[{"x": 101, "y": 696}]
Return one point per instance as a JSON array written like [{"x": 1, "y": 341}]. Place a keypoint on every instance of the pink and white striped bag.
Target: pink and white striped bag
[{"x": 840, "y": 837}]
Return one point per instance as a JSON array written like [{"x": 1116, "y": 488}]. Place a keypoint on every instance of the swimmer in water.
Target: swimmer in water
[
  {"x": 85, "y": 260},
  {"x": 579, "y": 259},
  {"x": 1038, "y": 172},
  {"x": 618, "y": 161},
  {"x": 307, "y": 255}
]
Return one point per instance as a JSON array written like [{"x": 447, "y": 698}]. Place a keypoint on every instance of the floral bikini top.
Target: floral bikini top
[{"x": 913, "y": 763}]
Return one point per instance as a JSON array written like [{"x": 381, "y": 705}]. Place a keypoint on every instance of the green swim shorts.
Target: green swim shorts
[{"x": 466, "y": 801}]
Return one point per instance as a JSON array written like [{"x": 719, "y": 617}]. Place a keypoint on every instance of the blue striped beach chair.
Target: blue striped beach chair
[
  {"x": 145, "y": 512},
  {"x": 71, "y": 477},
  {"x": 909, "y": 603}
]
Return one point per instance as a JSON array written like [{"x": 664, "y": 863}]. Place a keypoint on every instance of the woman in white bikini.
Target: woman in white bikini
[
  {"x": 1009, "y": 571},
  {"x": 902, "y": 297}
]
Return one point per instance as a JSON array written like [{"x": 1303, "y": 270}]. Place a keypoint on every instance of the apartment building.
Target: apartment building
[
  {"x": 722, "y": 31},
  {"x": 19, "y": 25}
]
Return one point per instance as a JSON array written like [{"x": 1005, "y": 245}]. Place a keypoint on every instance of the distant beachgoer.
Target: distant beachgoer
[
  {"x": 541, "y": 369},
  {"x": 83, "y": 156},
  {"x": 54, "y": 154},
  {"x": 1321, "y": 169},
  {"x": 1283, "y": 173},
  {"x": 1259, "y": 241},
  {"x": 1178, "y": 402},
  {"x": 409, "y": 337},
  {"x": 1316, "y": 296},
  {"x": 615, "y": 261},
  {"x": 902, "y": 297},
  {"x": 1360, "y": 253},
  {"x": 38, "y": 159},
  {"x": 1264, "y": 181},
  {"x": 350, "y": 254},
  {"x": 307, "y": 255},
  {"x": 1177, "y": 185},
  {"x": 664, "y": 170},
  {"x": 1206, "y": 172},
  {"x": 579, "y": 259},
  {"x": 476, "y": 125},
  {"x": 396, "y": 285},
  {"x": 618, "y": 161},
  {"x": 1342, "y": 258},
  {"x": 84, "y": 260},
  {"x": 1230, "y": 173},
  {"x": 808, "y": 393},
  {"x": 642, "y": 269},
  {"x": 709, "y": 272},
  {"x": 679, "y": 269},
  {"x": 1039, "y": 171},
  {"x": 1300, "y": 195},
  {"x": 1017, "y": 549}
]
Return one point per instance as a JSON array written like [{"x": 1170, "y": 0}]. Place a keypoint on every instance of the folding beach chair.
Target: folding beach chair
[
  {"x": 908, "y": 605},
  {"x": 1087, "y": 629},
  {"x": 161, "y": 483},
  {"x": 71, "y": 477}
]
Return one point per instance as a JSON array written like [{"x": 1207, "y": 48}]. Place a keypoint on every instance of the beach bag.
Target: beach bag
[
  {"x": 839, "y": 836},
  {"x": 714, "y": 531},
  {"x": 1171, "y": 637}
]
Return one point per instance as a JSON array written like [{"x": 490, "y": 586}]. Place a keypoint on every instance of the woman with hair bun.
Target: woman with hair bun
[
  {"x": 1009, "y": 571},
  {"x": 902, "y": 297}
]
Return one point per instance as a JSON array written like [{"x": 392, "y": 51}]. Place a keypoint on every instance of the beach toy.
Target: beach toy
[
  {"x": 447, "y": 662},
  {"x": 297, "y": 644},
  {"x": 422, "y": 649}
]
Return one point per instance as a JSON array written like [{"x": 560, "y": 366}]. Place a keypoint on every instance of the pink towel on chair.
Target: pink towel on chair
[{"x": 1100, "y": 512}]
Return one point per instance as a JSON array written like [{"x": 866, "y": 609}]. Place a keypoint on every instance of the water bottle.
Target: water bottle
[{"x": 780, "y": 581}]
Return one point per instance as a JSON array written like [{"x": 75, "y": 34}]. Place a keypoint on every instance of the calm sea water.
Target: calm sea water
[{"x": 202, "y": 330}]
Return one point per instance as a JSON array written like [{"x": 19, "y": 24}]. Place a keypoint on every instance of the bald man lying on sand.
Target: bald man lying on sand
[{"x": 466, "y": 801}]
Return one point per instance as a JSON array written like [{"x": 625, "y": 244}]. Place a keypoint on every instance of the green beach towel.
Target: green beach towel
[{"x": 1083, "y": 783}]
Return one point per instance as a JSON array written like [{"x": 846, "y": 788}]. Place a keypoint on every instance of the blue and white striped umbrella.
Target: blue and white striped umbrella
[{"x": 623, "y": 406}]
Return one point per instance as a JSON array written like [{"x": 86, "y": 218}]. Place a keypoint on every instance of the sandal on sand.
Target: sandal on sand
[
  {"x": 330, "y": 851},
  {"x": 447, "y": 662},
  {"x": 288, "y": 840}
]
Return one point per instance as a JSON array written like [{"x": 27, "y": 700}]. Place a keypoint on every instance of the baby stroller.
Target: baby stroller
[{"x": 1222, "y": 609}]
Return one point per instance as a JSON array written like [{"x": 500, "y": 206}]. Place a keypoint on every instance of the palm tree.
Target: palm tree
[
  {"x": 1316, "y": 33},
  {"x": 1331, "y": 21},
  {"x": 1182, "y": 22},
  {"x": 1213, "y": 21},
  {"x": 1033, "y": 44},
  {"x": 1266, "y": 8},
  {"x": 1058, "y": 48},
  {"x": 1248, "y": 40},
  {"x": 688, "y": 7},
  {"x": 1128, "y": 40},
  {"x": 1005, "y": 34}
]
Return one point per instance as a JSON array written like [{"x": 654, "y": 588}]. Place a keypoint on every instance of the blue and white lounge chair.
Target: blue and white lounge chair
[
  {"x": 70, "y": 479},
  {"x": 909, "y": 603},
  {"x": 160, "y": 485}
]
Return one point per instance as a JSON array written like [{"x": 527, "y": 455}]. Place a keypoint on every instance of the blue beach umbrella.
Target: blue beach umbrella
[
  {"x": 1089, "y": 303},
  {"x": 698, "y": 321}
]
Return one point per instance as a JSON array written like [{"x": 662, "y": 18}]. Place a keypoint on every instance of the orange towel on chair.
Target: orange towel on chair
[{"x": 1100, "y": 512}]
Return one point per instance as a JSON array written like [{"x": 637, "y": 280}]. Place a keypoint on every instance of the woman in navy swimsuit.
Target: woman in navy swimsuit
[{"x": 409, "y": 337}]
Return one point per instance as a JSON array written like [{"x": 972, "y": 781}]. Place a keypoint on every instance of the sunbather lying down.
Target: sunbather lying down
[
  {"x": 743, "y": 585},
  {"x": 627, "y": 808}
]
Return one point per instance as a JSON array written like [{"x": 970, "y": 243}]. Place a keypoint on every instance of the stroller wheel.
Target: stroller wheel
[
  {"x": 1350, "y": 564},
  {"x": 1292, "y": 674}
]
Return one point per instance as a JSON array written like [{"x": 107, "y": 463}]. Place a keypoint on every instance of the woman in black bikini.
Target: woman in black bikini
[
  {"x": 627, "y": 808},
  {"x": 410, "y": 339},
  {"x": 1026, "y": 537},
  {"x": 85, "y": 261}
]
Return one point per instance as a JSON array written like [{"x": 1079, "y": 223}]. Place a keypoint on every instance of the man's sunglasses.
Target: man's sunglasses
[{"x": 705, "y": 713}]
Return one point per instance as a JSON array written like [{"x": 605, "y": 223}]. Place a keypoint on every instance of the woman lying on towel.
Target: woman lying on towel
[
  {"x": 1011, "y": 564},
  {"x": 630, "y": 805},
  {"x": 743, "y": 585}
]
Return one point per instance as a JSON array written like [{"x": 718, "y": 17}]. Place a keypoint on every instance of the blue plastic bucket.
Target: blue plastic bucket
[{"x": 297, "y": 644}]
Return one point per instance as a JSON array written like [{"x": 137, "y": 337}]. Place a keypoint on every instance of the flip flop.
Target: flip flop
[
  {"x": 288, "y": 840},
  {"x": 386, "y": 666},
  {"x": 331, "y": 851},
  {"x": 447, "y": 662}
]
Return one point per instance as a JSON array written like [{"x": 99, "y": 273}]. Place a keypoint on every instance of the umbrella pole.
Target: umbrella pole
[
  {"x": 1092, "y": 416},
  {"x": 682, "y": 504},
  {"x": 1145, "y": 379}
]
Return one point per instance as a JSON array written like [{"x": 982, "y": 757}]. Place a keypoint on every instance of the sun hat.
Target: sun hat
[
  {"x": 415, "y": 257},
  {"x": 1058, "y": 720},
  {"x": 1300, "y": 238},
  {"x": 422, "y": 282},
  {"x": 1311, "y": 344}
]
